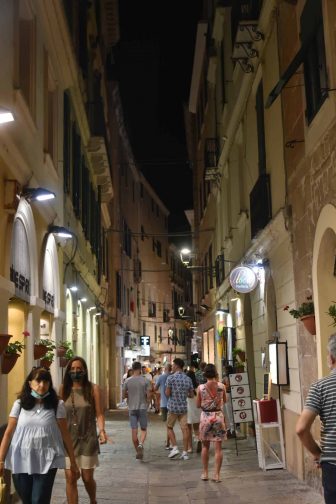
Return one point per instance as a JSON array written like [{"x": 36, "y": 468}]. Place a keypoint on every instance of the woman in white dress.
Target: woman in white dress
[{"x": 194, "y": 415}]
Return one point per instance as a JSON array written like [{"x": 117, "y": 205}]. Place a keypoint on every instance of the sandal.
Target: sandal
[
  {"x": 204, "y": 477},
  {"x": 216, "y": 480}
]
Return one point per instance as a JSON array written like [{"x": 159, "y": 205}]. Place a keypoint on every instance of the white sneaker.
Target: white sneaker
[
  {"x": 175, "y": 451},
  {"x": 184, "y": 456}
]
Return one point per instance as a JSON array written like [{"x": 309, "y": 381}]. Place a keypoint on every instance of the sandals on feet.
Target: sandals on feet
[
  {"x": 216, "y": 479},
  {"x": 204, "y": 477}
]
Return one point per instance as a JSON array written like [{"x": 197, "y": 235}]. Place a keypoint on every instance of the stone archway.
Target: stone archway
[{"x": 324, "y": 280}]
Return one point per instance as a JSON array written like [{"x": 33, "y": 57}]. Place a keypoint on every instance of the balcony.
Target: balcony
[
  {"x": 260, "y": 204},
  {"x": 244, "y": 25},
  {"x": 97, "y": 148},
  {"x": 211, "y": 158}
]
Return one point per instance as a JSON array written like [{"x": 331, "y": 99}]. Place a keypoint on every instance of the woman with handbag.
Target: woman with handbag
[
  {"x": 210, "y": 398},
  {"x": 32, "y": 447},
  {"x": 83, "y": 408}
]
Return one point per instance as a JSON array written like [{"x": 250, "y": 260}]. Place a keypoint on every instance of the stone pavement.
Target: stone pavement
[{"x": 121, "y": 479}]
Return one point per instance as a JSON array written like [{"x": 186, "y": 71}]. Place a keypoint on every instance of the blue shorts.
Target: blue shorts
[{"x": 138, "y": 416}]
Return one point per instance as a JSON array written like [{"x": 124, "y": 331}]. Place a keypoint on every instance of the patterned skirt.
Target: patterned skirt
[{"x": 212, "y": 426}]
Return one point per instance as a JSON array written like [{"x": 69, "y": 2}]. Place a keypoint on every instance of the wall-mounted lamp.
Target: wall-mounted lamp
[
  {"x": 83, "y": 300},
  {"x": 73, "y": 288},
  {"x": 185, "y": 255},
  {"x": 37, "y": 194},
  {"x": 60, "y": 232},
  {"x": 6, "y": 115},
  {"x": 205, "y": 307}
]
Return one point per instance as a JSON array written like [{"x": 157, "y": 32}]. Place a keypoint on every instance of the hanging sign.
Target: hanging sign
[
  {"x": 145, "y": 346},
  {"x": 243, "y": 279}
]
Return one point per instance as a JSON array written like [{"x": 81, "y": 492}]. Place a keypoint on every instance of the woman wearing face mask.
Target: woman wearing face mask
[
  {"x": 33, "y": 444},
  {"x": 83, "y": 408}
]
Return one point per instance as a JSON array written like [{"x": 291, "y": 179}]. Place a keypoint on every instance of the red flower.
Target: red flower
[{"x": 26, "y": 333}]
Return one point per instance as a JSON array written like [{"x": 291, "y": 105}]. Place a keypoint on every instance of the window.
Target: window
[
  {"x": 210, "y": 267},
  {"x": 50, "y": 110},
  {"x": 151, "y": 309},
  {"x": 160, "y": 334},
  {"x": 261, "y": 129},
  {"x": 155, "y": 334},
  {"x": 142, "y": 233},
  {"x": 26, "y": 61},
  {"x": 158, "y": 248},
  {"x": 166, "y": 317},
  {"x": 118, "y": 290},
  {"x": 315, "y": 70}
]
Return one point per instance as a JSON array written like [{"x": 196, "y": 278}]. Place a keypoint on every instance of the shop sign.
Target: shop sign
[
  {"x": 48, "y": 289},
  {"x": 243, "y": 279},
  {"x": 20, "y": 266},
  {"x": 145, "y": 346}
]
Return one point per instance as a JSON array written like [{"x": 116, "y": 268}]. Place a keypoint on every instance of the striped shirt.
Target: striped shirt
[{"x": 321, "y": 400}]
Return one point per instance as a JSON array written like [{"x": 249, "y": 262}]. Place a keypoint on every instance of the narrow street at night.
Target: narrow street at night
[{"x": 121, "y": 479}]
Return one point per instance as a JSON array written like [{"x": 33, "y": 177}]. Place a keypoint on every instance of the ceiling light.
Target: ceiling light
[
  {"x": 60, "y": 232},
  {"x": 74, "y": 288},
  {"x": 37, "y": 194},
  {"x": 83, "y": 300},
  {"x": 5, "y": 116}
]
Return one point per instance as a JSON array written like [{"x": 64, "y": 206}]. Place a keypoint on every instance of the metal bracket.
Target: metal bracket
[
  {"x": 251, "y": 29},
  {"x": 244, "y": 64},
  {"x": 247, "y": 48}
]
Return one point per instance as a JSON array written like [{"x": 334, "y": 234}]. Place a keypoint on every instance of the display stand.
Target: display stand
[
  {"x": 240, "y": 400},
  {"x": 269, "y": 436}
]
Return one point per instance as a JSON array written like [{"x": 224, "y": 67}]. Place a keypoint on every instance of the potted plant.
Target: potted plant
[
  {"x": 239, "y": 364},
  {"x": 65, "y": 359},
  {"x": 62, "y": 347},
  {"x": 11, "y": 355},
  {"x": 4, "y": 340},
  {"x": 332, "y": 313},
  {"x": 306, "y": 313},
  {"x": 42, "y": 346},
  {"x": 48, "y": 359}
]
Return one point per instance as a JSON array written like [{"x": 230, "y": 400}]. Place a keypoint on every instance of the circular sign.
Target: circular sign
[{"x": 243, "y": 279}]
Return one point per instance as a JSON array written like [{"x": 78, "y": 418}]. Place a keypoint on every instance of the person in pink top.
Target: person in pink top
[{"x": 210, "y": 398}]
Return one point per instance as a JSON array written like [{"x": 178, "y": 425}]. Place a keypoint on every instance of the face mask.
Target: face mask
[
  {"x": 37, "y": 395},
  {"x": 77, "y": 376}
]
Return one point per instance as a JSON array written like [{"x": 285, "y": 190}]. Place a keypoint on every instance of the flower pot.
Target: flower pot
[
  {"x": 45, "y": 363},
  {"x": 39, "y": 351},
  {"x": 4, "y": 339},
  {"x": 63, "y": 361},
  {"x": 309, "y": 323},
  {"x": 8, "y": 362},
  {"x": 61, "y": 351},
  {"x": 239, "y": 369}
]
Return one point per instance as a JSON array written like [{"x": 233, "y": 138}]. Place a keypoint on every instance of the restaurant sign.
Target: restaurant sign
[{"x": 243, "y": 279}]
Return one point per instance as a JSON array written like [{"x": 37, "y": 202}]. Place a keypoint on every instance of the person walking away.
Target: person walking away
[
  {"x": 137, "y": 389},
  {"x": 32, "y": 447},
  {"x": 193, "y": 416},
  {"x": 157, "y": 399},
  {"x": 161, "y": 386},
  {"x": 178, "y": 387},
  {"x": 83, "y": 408},
  {"x": 210, "y": 398},
  {"x": 321, "y": 401},
  {"x": 200, "y": 378}
]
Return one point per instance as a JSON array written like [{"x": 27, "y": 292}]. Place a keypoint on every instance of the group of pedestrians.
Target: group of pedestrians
[
  {"x": 196, "y": 405},
  {"x": 47, "y": 431}
]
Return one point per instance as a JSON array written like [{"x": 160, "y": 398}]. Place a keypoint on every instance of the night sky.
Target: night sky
[{"x": 155, "y": 64}]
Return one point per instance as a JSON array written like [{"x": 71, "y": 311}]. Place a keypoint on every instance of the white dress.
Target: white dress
[{"x": 194, "y": 413}]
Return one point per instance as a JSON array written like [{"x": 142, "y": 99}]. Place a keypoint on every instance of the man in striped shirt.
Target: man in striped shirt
[{"x": 321, "y": 400}]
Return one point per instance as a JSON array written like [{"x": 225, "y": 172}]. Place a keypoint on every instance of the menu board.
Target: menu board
[{"x": 241, "y": 398}]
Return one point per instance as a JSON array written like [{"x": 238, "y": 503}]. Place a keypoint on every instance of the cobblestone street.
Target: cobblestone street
[{"x": 121, "y": 479}]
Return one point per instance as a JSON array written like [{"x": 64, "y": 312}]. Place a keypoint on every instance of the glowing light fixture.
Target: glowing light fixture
[
  {"x": 5, "y": 116},
  {"x": 60, "y": 232},
  {"x": 83, "y": 300},
  {"x": 74, "y": 288},
  {"x": 37, "y": 194}
]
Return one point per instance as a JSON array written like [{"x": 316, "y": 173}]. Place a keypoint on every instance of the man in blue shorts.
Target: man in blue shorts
[{"x": 137, "y": 389}]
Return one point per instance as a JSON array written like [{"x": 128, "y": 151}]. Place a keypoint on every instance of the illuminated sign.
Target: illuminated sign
[
  {"x": 145, "y": 346},
  {"x": 243, "y": 279}
]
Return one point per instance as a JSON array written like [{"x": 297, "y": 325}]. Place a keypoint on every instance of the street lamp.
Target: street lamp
[
  {"x": 5, "y": 115},
  {"x": 37, "y": 194}
]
